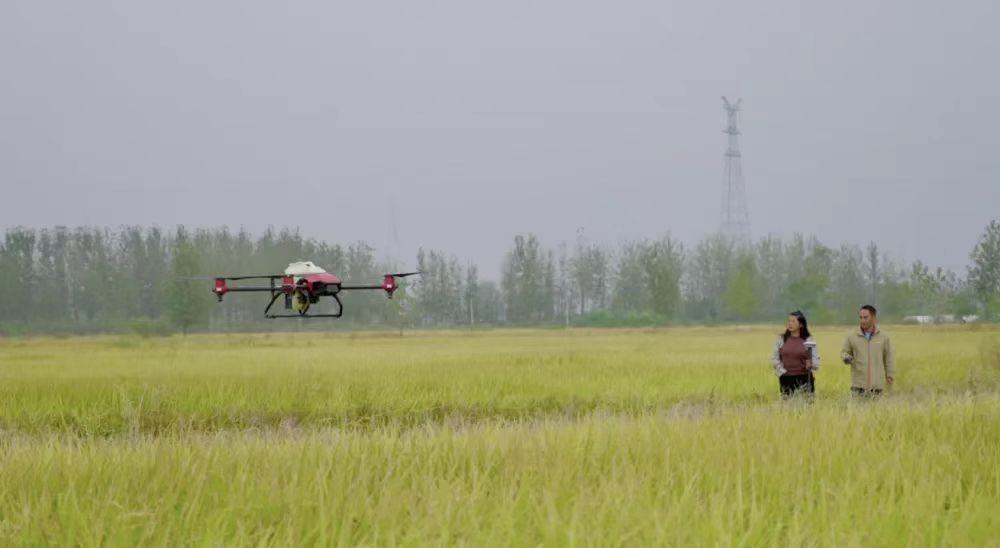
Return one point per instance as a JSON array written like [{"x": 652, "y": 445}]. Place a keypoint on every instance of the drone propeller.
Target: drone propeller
[
  {"x": 228, "y": 278},
  {"x": 404, "y": 274},
  {"x": 234, "y": 278}
]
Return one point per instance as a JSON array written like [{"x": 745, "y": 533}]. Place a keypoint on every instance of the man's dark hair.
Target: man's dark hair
[{"x": 871, "y": 309}]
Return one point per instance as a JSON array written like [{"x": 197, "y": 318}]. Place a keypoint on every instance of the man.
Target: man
[{"x": 869, "y": 353}]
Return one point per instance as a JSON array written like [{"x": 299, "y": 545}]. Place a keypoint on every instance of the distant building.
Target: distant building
[
  {"x": 943, "y": 318},
  {"x": 921, "y": 320}
]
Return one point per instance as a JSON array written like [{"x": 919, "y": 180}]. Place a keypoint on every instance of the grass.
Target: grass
[{"x": 493, "y": 438}]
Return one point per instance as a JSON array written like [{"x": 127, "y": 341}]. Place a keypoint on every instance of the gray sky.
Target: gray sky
[{"x": 477, "y": 120}]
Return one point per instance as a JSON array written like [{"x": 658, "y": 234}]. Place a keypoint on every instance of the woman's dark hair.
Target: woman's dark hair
[{"x": 803, "y": 326}]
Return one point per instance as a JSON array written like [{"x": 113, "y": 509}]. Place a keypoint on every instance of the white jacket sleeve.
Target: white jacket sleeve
[{"x": 779, "y": 369}]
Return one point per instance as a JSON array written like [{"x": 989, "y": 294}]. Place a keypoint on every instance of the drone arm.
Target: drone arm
[
  {"x": 234, "y": 289},
  {"x": 389, "y": 288},
  {"x": 219, "y": 292},
  {"x": 389, "y": 283},
  {"x": 221, "y": 287}
]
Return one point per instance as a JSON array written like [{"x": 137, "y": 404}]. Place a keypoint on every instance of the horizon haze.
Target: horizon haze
[{"x": 455, "y": 126}]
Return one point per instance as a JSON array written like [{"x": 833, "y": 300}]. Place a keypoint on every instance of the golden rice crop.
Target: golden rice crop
[{"x": 546, "y": 437}]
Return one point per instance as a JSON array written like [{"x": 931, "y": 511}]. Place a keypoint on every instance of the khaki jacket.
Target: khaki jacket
[{"x": 871, "y": 360}]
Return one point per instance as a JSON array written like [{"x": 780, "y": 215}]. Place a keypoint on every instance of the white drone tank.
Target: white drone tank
[{"x": 302, "y": 268}]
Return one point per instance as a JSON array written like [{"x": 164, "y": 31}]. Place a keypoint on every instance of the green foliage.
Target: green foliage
[
  {"x": 440, "y": 285},
  {"x": 740, "y": 296},
  {"x": 631, "y": 290},
  {"x": 91, "y": 280},
  {"x": 528, "y": 281},
  {"x": 984, "y": 273},
  {"x": 663, "y": 265},
  {"x": 711, "y": 265},
  {"x": 188, "y": 301}
]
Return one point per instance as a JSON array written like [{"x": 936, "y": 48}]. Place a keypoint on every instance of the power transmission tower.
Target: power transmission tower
[{"x": 735, "y": 218}]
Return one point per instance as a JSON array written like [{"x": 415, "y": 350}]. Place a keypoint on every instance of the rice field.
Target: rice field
[{"x": 499, "y": 438}]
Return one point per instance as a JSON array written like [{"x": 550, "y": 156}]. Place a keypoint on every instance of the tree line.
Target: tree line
[{"x": 90, "y": 279}]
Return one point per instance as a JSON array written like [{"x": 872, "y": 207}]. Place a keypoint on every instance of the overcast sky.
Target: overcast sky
[{"x": 475, "y": 120}]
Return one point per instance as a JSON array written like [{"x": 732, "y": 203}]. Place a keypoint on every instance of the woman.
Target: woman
[{"x": 795, "y": 357}]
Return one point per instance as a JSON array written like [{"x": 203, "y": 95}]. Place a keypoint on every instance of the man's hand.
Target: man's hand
[
  {"x": 888, "y": 380},
  {"x": 848, "y": 359}
]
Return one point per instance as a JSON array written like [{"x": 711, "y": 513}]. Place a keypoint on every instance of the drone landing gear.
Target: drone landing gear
[{"x": 303, "y": 306}]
